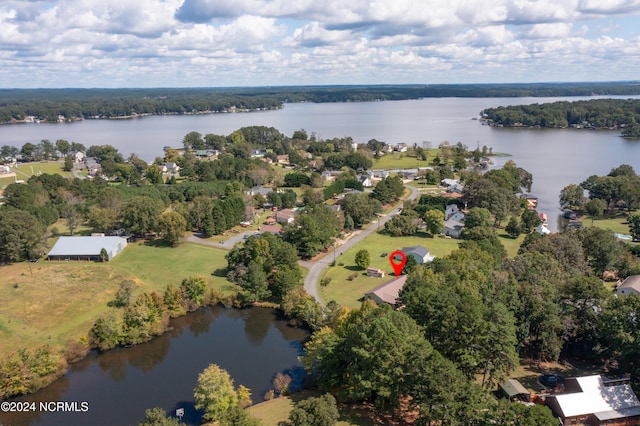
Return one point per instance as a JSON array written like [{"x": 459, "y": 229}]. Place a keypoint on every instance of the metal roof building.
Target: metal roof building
[{"x": 86, "y": 248}]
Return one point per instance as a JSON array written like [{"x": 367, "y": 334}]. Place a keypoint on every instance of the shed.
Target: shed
[
  {"x": 513, "y": 389},
  {"x": 86, "y": 248}
]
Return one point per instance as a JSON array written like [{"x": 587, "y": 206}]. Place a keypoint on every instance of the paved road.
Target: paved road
[
  {"x": 226, "y": 244},
  {"x": 316, "y": 268}
]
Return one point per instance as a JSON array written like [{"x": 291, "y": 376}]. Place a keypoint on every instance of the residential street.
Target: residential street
[{"x": 316, "y": 268}]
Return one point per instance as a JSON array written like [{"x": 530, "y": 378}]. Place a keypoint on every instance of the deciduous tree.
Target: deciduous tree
[{"x": 214, "y": 393}]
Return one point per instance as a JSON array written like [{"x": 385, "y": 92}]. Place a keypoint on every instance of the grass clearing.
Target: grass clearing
[
  {"x": 26, "y": 170},
  {"x": 277, "y": 410},
  {"x": 348, "y": 293},
  {"x": 617, "y": 223},
  {"x": 52, "y": 302},
  {"x": 398, "y": 160}
]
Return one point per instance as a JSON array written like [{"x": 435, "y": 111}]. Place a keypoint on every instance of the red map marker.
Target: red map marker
[{"x": 397, "y": 267}]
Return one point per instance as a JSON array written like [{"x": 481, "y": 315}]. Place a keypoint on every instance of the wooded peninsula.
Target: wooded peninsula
[
  {"x": 52, "y": 105},
  {"x": 621, "y": 114}
]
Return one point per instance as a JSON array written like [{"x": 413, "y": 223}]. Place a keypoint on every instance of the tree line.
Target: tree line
[
  {"x": 48, "y": 104},
  {"x": 592, "y": 114}
]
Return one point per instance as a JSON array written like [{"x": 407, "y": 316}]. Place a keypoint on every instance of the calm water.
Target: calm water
[
  {"x": 555, "y": 157},
  {"x": 252, "y": 345}
]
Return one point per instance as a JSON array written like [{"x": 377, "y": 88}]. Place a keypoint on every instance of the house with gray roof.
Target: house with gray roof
[
  {"x": 452, "y": 228},
  {"x": 86, "y": 248},
  {"x": 631, "y": 285},
  {"x": 421, "y": 254}
]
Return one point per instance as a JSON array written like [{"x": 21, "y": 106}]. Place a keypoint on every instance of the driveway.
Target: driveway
[
  {"x": 316, "y": 268},
  {"x": 226, "y": 244}
]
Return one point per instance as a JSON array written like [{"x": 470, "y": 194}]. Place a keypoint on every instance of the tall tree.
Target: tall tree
[
  {"x": 172, "y": 226},
  {"x": 140, "y": 214},
  {"x": 20, "y": 235},
  {"x": 214, "y": 393}
]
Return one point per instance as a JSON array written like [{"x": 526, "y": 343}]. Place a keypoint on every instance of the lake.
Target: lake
[
  {"x": 554, "y": 157},
  {"x": 119, "y": 385}
]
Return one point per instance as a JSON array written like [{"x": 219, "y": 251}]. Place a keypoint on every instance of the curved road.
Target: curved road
[{"x": 316, "y": 268}]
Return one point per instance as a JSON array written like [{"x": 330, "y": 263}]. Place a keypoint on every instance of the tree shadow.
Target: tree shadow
[
  {"x": 220, "y": 272},
  {"x": 158, "y": 243},
  {"x": 353, "y": 268}
]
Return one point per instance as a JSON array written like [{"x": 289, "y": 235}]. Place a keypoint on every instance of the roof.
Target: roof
[
  {"x": 512, "y": 387},
  {"x": 453, "y": 224},
  {"x": 389, "y": 291},
  {"x": 419, "y": 250},
  {"x": 598, "y": 399},
  {"x": 632, "y": 282},
  {"x": 83, "y": 246},
  {"x": 273, "y": 229}
]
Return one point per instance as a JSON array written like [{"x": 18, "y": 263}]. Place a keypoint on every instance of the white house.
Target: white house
[
  {"x": 78, "y": 157},
  {"x": 631, "y": 285},
  {"x": 421, "y": 254},
  {"x": 402, "y": 147},
  {"x": 365, "y": 180},
  {"x": 170, "y": 168}
]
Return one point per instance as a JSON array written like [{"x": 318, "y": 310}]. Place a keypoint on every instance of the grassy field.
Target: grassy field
[
  {"x": 26, "y": 170},
  {"x": 617, "y": 224},
  {"x": 52, "y": 302},
  {"x": 272, "y": 412},
  {"x": 399, "y": 160},
  {"x": 347, "y": 293}
]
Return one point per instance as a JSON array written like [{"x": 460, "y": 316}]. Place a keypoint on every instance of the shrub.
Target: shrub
[
  {"x": 353, "y": 276},
  {"x": 269, "y": 395}
]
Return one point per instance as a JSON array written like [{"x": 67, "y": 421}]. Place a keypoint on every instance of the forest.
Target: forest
[
  {"x": 74, "y": 104},
  {"x": 623, "y": 114}
]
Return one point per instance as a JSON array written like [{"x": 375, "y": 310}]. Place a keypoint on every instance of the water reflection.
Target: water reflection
[{"x": 119, "y": 385}]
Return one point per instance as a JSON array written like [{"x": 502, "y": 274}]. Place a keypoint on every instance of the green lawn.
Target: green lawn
[
  {"x": 399, "y": 160},
  {"x": 52, "y": 302},
  {"x": 277, "y": 410},
  {"x": 348, "y": 293},
  {"x": 159, "y": 266},
  {"x": 617, "y": 224},
  {"x": 50, "y": 167}
]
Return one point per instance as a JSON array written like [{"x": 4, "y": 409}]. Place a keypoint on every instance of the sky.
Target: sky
[{"x": 222, "y": 43}]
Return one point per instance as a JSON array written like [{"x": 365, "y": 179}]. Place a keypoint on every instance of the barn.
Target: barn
[{"x": 86, "y": 248}]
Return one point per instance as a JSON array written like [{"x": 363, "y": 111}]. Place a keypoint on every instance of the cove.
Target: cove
[{"x": 119, "y": 385}]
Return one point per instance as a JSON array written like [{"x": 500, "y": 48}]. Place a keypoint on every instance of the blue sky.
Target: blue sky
[{"x": 195, "y": 43}]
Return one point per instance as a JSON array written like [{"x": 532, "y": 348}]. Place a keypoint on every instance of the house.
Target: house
[
  {"x": 514, "y": 391},
  {"x": 375, "y": 272},
  {"x": 78, "y": 157},
  {"x": 206, "y": 153},
  {"x": 456, "y": 188},
  {"x": 532, "y": 202},
  {"x": 387, "y": 292},
  {"x": 450, "y": 210},
  {"x": 594, "y": 400},
  {"x": 452, "y": 227},
  {"x": 266, "y": 160},
  {"x": 365, "y": 180},
  {"x": 285, "y": 217},
  {"x": 307, "y": 156},
  {"x": 86, "y": 248},
  {"x": 630, "y": 285},
  {"x": 448, "y": 182},
  {"x": 283, "y": 159},
  {"x": 401, "y": 147},
  {"x": 380, "y": 174},
  {"x": 258, "y": 153},
  {"x": 170, "y": 168},
  {"x": 419, "y": 253},
  {"x": 259, "y": 190},
  {"x": 270, "y": 221},
  {"x": 542, "y": 229}
]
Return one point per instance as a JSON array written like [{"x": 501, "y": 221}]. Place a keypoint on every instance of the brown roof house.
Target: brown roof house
[
  {"x": 594, "y": 400},
  {"x": 387, "y": 292},
  {"x": 631, "y": 285}
]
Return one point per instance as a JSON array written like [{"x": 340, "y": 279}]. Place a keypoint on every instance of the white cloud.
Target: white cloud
[{"x": 213, "y": 42}]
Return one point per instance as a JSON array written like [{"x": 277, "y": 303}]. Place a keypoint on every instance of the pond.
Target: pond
[{"x": 119, "y": 385}]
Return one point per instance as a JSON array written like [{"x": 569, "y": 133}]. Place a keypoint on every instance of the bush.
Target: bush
[
  {"x": 325, "y": 281},
  {"x": 269, "y": 395},
  {"x": 353, "y": 276}
]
